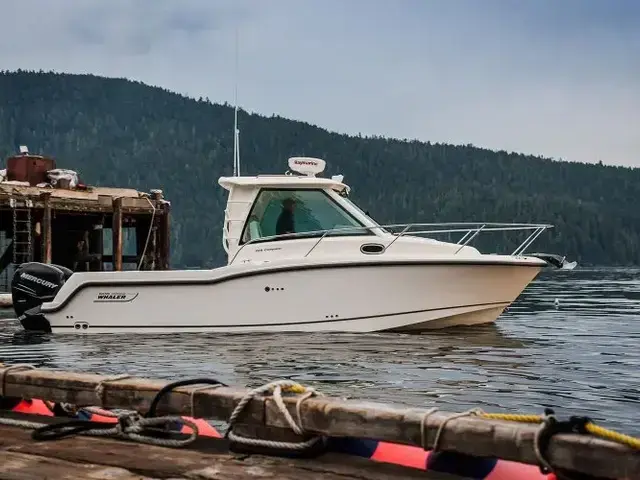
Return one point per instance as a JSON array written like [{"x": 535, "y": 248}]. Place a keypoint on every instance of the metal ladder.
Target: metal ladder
[
  {"x": 22, "y": 232},
  {"x": 5, "y": 277}
]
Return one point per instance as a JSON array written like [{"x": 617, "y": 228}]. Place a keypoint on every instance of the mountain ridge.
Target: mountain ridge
[{"x": 127, "y": 133}]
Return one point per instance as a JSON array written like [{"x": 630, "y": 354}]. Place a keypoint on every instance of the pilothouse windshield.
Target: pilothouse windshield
[
  {"x": 299, "y": 212},
  {"x": 362, "y": 212}
]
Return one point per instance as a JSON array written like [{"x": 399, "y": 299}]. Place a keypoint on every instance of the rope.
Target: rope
[
  {"x": 213, "y": 383},
  {"x": 549, "y": 426},
  {"x": 20, "y": 423},
  {"x": 589, "y": 426},
  {"x": 436, "y": 441},
  {"x": 423, "y": 427},
  {"x": 100, "y": 387},
  {"x": 146, "y": 243},
  {"x": 104, "y": 413},
  {"x": 613, "y": 436},
  {"x": 277, "y": 387},
  {"x": 511, "y": 417},
  {"x": 129, "y": 426},
  {"x": 68, "y": 408}
]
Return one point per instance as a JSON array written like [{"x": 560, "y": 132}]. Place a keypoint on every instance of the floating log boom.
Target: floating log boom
[{"x": 471, "y": 435}]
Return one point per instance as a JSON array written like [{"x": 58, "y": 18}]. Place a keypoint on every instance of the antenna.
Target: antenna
[{"x": 236, "y": 130}]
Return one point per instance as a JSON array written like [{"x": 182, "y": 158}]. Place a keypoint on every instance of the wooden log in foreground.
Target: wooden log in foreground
[{"x": 333, "y": 417}]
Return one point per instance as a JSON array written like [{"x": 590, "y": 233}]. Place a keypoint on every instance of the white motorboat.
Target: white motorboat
[{"x": 322, "y": 265}]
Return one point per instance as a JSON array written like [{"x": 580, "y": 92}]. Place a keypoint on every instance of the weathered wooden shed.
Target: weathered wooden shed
[{"x": 48, "y": 215}]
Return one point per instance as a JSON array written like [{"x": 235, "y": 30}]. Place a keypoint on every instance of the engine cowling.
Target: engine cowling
[{"x": 34, "y": 283}]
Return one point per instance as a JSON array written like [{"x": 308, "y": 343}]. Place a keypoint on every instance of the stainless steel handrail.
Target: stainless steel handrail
[
  {"x": 470, "y": 229},
  {"x": 469, "y": 239}
]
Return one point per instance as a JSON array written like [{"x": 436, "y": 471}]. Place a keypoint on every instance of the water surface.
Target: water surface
[{"x": 579, "y": 355}]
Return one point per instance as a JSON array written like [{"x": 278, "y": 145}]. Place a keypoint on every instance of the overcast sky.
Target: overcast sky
[{"x": 560, "y": 78}]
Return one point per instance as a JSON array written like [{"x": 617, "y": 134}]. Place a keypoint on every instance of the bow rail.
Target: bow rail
[{"x": 470, "y": 230}]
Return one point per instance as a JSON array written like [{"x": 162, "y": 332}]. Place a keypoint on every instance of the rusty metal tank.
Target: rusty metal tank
[{"x": 29, "y": 168}]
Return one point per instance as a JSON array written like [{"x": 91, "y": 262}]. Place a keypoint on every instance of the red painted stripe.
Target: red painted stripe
[
  {"x": 406, "y": 455},
  {"x": 102, "y": 418},
  {"x": 34, "y": 407},
  {"x": 508, "y": 470},
  {"x": 204, "y": 428}
]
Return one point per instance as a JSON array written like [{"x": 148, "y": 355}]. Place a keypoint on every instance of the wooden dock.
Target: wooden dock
[
  {"x": 78, "y": 226},
  {"x": 269, "y": 423},
  {"x": 85, "y": 458}
]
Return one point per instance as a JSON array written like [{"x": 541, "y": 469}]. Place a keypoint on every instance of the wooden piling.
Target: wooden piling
[
  {"x": 96, "y": 245},
  {"x": 145, "y": 243},
  {"x": 164, "y": 237},
  {"x": 117, "y": 234},
  {"x": 470, "y": 435},
  {"x": 46, "y": 227}
]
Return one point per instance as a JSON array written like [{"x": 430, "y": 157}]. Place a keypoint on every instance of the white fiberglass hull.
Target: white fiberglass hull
[{"x": 399, "y": 295}]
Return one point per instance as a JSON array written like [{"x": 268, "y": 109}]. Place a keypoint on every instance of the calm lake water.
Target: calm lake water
[{"x": 581, "y": 356}]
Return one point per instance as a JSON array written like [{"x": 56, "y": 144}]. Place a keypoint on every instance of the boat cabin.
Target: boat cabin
[{"x": 262, "y": 209}]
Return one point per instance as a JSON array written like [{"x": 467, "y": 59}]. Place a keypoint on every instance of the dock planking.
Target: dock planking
[{"x": 82, "y": 457}]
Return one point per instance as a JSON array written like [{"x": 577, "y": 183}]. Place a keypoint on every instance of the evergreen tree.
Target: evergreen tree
[{"x": 123, "y": 133}]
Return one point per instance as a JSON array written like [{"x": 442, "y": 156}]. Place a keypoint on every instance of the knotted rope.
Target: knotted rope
[{"x": 277, "y": 387}]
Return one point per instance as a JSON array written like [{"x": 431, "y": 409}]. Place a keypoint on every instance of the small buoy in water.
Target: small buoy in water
[{"x": 556, "y": 303}]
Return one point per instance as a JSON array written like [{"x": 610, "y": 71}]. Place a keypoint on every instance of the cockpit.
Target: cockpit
[{"x": 291, "y": 206}]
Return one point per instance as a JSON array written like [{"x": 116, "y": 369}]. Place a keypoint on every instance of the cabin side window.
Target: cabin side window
[{"x": 298, "y": 212}]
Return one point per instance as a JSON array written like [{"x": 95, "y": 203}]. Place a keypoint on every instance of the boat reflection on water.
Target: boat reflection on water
[{"x": 358, "y": 360}]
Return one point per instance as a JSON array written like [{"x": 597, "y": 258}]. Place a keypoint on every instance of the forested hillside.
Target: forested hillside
[{"x": 118, "y": 132}]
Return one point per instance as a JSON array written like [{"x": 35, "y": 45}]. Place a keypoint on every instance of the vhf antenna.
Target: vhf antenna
[{"x": 236, "y": 130}]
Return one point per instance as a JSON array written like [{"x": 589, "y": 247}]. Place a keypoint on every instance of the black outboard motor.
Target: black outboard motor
[{"x": 35, "y": 283}]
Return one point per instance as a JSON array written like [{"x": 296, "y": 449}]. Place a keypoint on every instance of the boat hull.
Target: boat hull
[{"x": 352, "y": 298}]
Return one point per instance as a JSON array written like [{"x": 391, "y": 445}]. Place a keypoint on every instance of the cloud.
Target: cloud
[{"x": 561, "y": 79}]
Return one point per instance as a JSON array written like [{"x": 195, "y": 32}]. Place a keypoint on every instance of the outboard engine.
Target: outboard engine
[{"x": 34, "y": 283}]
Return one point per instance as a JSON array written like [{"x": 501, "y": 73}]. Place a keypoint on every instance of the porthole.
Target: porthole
[{"x": 371, "y": 248}]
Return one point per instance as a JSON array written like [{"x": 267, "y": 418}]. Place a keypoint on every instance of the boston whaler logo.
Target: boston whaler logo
[
  {"x": 39, "y": 281},
  {"x": 115, "y": 297}
]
